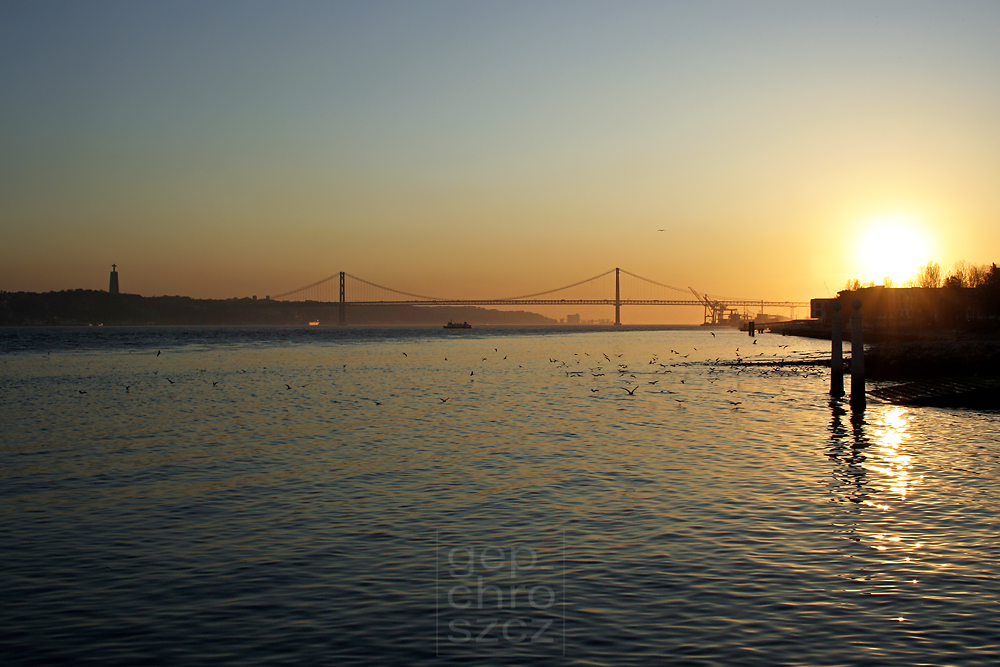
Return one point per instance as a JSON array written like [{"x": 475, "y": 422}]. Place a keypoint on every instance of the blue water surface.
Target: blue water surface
[{"x": 368, "y": 496}]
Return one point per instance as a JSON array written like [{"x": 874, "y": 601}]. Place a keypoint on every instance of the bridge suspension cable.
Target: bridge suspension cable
[
  {"x": 558, "y": 289},
  {"x": 678, "y": 289},
  {"x": 395, "y": 291},
  {"x": 336, "y": 276},
  {"x": 310, "y": 286}
]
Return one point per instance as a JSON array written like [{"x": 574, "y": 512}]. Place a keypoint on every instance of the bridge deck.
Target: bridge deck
[{"x": 560, "y": 302}]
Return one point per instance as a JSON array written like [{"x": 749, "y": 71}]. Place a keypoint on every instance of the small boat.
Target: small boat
[{"x": 456, "y": 325}]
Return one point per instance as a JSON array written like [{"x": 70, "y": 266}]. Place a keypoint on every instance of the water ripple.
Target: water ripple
[{"x": 293, "y": 496}]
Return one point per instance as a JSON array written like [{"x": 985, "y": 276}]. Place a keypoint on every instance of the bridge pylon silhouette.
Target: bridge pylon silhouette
[{"x": 642, "y": 291}]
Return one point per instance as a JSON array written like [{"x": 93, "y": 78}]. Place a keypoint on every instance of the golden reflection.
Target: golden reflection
[{"x": 890, "y": 434}]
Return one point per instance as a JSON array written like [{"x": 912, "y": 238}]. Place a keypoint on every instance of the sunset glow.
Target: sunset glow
[
  {"x": 894, "y": 247},
  {"x": 479, "y": 150}
]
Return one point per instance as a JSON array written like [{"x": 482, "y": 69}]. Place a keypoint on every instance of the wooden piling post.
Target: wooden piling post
[
  {"x": 858, "y": 399},
  {"x": 836, "y": 352}
]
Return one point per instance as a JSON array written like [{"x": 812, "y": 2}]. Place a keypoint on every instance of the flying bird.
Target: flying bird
[
  {"x": 170, "y": 381},
  {"x": 631, "y": 392},
  {"x": 157, "y": 353},
  {"x": 444, "y": 400}
]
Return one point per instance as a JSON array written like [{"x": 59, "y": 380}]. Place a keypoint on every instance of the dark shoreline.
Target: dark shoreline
[
  {"x": 926, "y": 367},
  {"x": 916, "y": 353},
  {"x": 99, "y": 308},
  {"x": 919, "y": 360}
]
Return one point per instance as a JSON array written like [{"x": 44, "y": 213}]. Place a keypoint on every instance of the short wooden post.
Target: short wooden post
[
  {"x": 837, "y": 352},
  {"x": 858, "y": 399}
]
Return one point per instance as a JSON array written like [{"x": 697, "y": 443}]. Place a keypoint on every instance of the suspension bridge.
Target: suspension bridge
[{"x": 348, "y": 290}]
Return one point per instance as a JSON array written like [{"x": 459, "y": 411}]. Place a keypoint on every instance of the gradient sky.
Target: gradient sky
[{"x": 489, "y": 149}]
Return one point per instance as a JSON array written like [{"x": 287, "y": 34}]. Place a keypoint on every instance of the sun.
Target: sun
[{"x": 893, "y": 247}]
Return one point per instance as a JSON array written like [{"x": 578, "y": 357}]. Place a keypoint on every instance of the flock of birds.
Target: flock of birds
[
  {"x": 611, "y": 373},
  {"x": 631, "y": 380}
]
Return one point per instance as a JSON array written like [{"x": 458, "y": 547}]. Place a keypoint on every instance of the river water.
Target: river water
[{"x": 497, "y": 496}]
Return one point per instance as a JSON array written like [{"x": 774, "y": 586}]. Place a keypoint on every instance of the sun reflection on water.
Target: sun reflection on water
[{"x": 889, "y": 436}]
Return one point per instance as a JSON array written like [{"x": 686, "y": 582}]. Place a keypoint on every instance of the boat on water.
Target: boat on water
[{"x": 456, "y": 325}]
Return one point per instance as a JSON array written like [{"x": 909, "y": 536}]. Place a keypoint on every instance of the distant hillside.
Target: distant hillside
[{"x": 84, "y": 307}]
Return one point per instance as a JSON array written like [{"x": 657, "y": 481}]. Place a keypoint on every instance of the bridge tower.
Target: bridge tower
[
  {"x": 618, "y": 299},
  {"x": 343, "y": 315}
]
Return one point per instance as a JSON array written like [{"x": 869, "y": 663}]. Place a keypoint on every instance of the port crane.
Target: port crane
[{"x": 716, "y": 312}]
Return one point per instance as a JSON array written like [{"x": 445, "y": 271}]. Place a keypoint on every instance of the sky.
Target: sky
[{"x": 491, "y": 149}]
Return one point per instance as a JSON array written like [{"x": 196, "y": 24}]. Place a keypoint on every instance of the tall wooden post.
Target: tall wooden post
[
  {"x": 836, "y": 352},
  {"x": 343, "y": 315},
  {"x": 858, "y": 399},
  {"x": 618, "y": 299}
]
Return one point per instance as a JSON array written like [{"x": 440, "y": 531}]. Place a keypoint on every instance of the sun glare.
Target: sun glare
[{"x": 893, "y": 247}]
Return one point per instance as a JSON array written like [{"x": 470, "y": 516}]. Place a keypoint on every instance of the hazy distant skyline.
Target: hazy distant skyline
[{"x": 489, "y": 149}]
